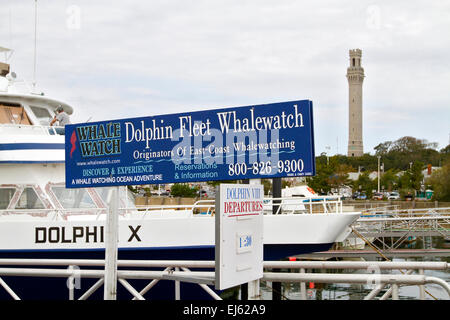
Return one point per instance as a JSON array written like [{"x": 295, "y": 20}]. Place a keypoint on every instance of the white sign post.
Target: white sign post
[
  {"x": 112, "y": 232},
  {"x": 239, "y": 234}
]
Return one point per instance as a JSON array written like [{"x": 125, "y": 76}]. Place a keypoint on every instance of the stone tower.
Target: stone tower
[{"x": 355, "y": 77}]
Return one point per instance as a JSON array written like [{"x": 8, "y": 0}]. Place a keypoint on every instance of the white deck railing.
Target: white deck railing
[
  {"x": 284, "y": 205},
  {"x": 318, "y": 204},
  {"x": 26, "y": 129}
]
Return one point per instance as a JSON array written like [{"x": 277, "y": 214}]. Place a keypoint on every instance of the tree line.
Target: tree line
[{"x": 407, "y": 156}]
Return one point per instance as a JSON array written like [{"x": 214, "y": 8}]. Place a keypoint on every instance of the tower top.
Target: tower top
[
  {"x": 355, "y": 52},
  {"x": 355, "y": 72}
]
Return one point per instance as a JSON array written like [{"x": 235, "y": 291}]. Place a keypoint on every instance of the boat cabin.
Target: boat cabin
[{"x": 20, "y": 105}]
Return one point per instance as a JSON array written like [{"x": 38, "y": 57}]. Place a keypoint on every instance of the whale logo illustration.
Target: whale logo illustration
[{"x": 73, "y": 139}]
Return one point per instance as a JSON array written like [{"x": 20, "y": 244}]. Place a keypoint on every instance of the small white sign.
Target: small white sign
[
  {"x": 244, "y": 242},
  {"x": 239, "y": 234}
]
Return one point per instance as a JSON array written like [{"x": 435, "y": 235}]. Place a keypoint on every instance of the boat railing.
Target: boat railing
[
  {"x": 283, "y": 205},
  {"x": 293, "y": 204},
  {"x": 32, "y": 129},
  {"x": 55, "y": 214},
  {"x": 204, "y": 207},
  {"x": 64, "y": 213}
]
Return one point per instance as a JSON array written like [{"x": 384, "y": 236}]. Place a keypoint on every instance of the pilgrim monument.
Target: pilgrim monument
[{"x": 355, "y": 77}]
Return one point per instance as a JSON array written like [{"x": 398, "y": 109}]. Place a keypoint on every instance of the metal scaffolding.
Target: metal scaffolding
[{"x": 392, "y": 228}]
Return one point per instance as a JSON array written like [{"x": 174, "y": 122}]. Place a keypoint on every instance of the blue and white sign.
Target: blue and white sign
[{"x": 263, "y": 141}]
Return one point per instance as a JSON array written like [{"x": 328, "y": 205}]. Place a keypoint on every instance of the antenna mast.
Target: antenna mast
[
  {"x": 10, "y": 29},
  {"x": 35, "y": 27}
]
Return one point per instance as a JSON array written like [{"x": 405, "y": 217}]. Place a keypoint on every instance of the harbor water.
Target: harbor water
[{"x": 340, "y": 291}]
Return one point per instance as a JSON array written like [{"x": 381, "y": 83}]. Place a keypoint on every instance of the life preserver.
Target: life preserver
[{"x": 310, "y": 190}]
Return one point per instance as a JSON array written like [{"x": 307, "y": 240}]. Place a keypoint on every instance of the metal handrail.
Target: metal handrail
[
  {"x": 204, "y": 278},
  {"x": 377, "y": 219},
  {"x": 408, "y": 211},
  {"x": 382, "y": 265}
]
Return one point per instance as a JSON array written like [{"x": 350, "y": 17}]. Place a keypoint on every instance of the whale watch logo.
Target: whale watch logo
[
  {"x": 73, "y": 140},
  {"x": 97, "y": 140}
]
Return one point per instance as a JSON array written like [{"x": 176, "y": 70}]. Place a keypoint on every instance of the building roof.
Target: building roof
[{"x": 355, "y": 175}]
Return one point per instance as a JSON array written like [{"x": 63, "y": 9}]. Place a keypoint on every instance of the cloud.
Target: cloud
[{"x": 139, "y": 58}]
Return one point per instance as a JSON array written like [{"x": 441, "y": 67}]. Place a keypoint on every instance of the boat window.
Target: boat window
[
  {"x": 73, "y": 198},
  {"x": 130, "y": 198},
  {"x": 42, "y": 114},
  {"x": 6, "y": 195},
  {"x": 13, "y": 114},
  {"x": 29, "y": 200}
]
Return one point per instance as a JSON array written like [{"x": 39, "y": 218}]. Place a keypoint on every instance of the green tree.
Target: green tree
[
  {"x": 400, "y": 153},
  {"x": 444, "y": 154},
  {"x": 446, "y": 150},
  {"x": 364, "y": 184},
  {"x": 329, "y": 174},
  {"x": 321, "y": 181},
  {"x": 416, "y": 174},
  {"x": 411, "y": 179},
  {"x": 183, "y": 190},
  {"x": 389, "y": 180},
  {"x": 340, "y": 176},
  {"x": 366, "y": 162},
  {"x": 440, "y": 182},
  {"x": 405, "y": 183},
  {"x": 267, "y": 183}
]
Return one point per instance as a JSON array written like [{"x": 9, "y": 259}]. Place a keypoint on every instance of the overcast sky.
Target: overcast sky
[{"x": 120, "y": 59}]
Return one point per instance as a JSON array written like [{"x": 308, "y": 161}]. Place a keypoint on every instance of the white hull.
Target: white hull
[{"x": 180, "y": 230}]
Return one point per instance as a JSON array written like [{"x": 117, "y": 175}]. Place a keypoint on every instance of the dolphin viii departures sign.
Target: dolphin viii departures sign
[{"x": 261, "y": 141}]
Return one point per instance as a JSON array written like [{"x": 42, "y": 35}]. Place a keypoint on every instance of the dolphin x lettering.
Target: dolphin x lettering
[{"x": 134, "y": 234}]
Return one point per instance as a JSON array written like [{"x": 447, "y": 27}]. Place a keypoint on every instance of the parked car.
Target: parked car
[
  {"x": 394, "y": 196},
  {"x": 409, "y": 196},
  {"x": 206, "y": 194},
  {"x": 362, "y": 196},
  {"x": 377, "y": 196}
]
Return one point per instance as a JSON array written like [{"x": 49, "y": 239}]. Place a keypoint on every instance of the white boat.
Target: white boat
[{"x": 39, "y": 217}]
